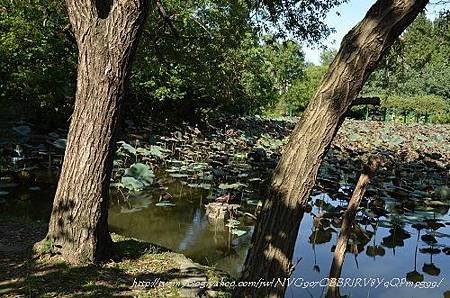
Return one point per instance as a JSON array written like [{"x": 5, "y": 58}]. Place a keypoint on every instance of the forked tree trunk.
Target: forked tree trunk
[
  {"x": 107, "y": 33},
  {"x": 270, "y": 256}
]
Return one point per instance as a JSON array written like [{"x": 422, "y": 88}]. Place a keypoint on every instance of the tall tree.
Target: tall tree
[
  {"x": 107, "y": 34},
  {"x": 270, "y": 256}
]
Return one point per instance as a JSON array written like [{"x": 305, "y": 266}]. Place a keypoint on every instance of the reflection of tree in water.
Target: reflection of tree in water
[
  {"x": 415, "y": 276},
  {"x": 375, "y": 250},
  {"x": 321, "y": 231},
  {"x": 431, "y": 268},
  {"x": 397, "y": 234},
  {"x": 396, "y": 238},
  {"x": 319, "y": 236},
  {"x": 358, "y": 239},
  {"x": 432, "y": 226}
]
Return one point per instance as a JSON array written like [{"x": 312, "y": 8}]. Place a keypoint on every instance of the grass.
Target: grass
[{"x": 25, "y": 275}]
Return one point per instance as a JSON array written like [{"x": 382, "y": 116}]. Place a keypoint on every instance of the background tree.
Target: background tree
[
  {"x": 297, "y": 97},
  {"x": 196, "y": 58},
  {"x": 37, "y": 59},
  {"x": 273, "y": 242},
  {"x": 413, "y": 75},
  {"x": 211, "y": 62},
  {"x": 327, "y": 56}
]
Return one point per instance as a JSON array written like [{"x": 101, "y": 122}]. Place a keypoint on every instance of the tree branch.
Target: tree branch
[{"x": 166, "y": 17}]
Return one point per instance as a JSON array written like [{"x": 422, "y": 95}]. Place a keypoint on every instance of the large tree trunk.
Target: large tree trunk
[
  {"x": 276, "y": 231},
  {"x": 107, "y": 33}
]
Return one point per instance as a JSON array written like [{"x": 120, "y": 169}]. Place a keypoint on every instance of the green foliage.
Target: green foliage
[
  {"x": 137, "y": 177},
  {"x": 37, "y": 56},
  {"x": 302, "y": 90},
  {"x": 211, "y": 60},
  {"x": 223, "y": 56},
  {"x": 48, "y": 246},
  {"x": 419, "y": 104},
  {"x": 327, "y": 56},
  {"x": 414, "y": 75},
  {"x": 304, "y": 19},
  {"x": 425, "y": 105},
  {"x": 200, "y": 57},
  {"x": 198, "y": 61}
]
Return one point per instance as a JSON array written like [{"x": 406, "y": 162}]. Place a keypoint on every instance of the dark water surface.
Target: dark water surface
[{"x": 185, "y": 228}]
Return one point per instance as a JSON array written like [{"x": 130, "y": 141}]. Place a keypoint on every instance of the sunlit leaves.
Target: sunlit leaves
[
  {"x": 138, "y": 176},
  {"x": 414, "y": 76}
]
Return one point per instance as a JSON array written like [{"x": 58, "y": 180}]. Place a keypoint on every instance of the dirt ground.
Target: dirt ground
[{"x": 142, "y": 269}]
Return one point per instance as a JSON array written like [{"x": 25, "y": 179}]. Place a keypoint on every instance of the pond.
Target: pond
[
  {"x": 393, "y": 251},
  {"x": 402, "y": 229}
]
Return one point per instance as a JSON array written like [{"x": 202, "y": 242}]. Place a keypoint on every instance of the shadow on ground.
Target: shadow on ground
[{"x": 141, "y": 269}]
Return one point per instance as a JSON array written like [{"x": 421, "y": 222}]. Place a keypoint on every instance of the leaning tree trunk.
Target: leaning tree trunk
[
  {"x": 107, "y": 33},
  {"x": 270, "y": 256}
]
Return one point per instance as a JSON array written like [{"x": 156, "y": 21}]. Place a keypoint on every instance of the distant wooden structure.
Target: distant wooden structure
[{"x": 363, "y": 101}]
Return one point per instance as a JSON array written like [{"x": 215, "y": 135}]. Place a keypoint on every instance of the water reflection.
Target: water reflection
[
  {"x": 413, "y": 245},
  {"x": 183, "y": 227},
  {"x": 405, "y": 237}
]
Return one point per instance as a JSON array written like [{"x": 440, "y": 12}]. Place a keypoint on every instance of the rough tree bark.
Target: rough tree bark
[
  {"x": 270, "y": 256},
  {"x": 347, "y": 222},
  {"x": 107, "y": 33}
]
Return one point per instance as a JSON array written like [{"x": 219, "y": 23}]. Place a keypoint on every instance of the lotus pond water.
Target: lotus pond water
[
  {"x": 159, "y": 191},
  {"x": 394, "y": 249}
]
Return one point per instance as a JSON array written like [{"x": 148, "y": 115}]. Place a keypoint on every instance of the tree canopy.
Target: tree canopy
[
  {"x": 201, "y": 56},
  {"x": 414, "y": 75},
  {"x": 210, "y": 57}
]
